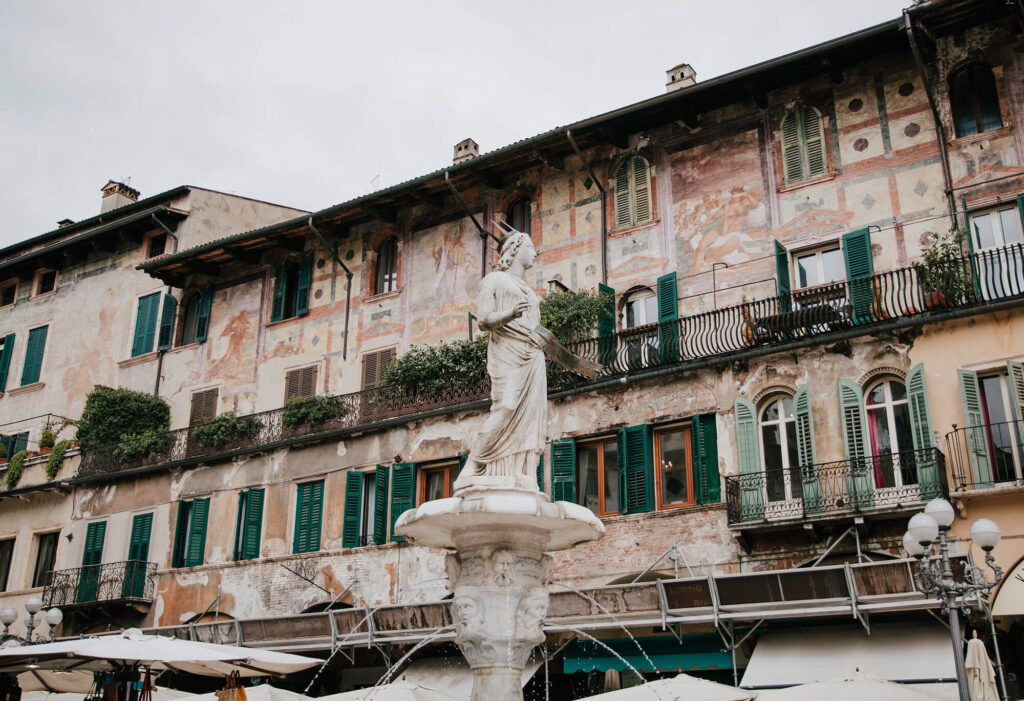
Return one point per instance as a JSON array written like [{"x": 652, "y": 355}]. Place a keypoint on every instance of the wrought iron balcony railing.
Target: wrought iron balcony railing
[
  {"x": 808, "y": 492},
  {"x": 129, "y": 582},
  {"x": 987, "y": 455}
]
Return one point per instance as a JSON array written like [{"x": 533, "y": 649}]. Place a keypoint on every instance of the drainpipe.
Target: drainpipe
[
  {"x": 160, "y": 353},
  {"x": 940, "y": 132},
  {"x": 483, "y": 233},
  {"x": 604, "y": 216},
  {"x": 348, "y": 280}
]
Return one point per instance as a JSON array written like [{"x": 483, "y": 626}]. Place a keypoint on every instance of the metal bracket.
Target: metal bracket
[{"x": 851, "y": 585}]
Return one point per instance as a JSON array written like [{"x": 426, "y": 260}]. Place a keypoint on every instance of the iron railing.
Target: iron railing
[
  {"x": 987, "y": 455},
  {"x": 807, "y": 492},
  {"x": 130, "y": 581},
  {"x": 268, "y": 427}
]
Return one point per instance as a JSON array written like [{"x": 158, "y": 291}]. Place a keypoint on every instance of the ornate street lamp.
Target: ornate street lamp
[
  {"x": 33, "y": 618},
  {"x": 935, "y": 574}
]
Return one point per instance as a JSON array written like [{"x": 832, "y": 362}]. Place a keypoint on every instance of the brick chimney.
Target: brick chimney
[
  {"x": 466, "y": 149},
  {"x": 680, "y": 77},
  {"x": 116, "y": 195}
]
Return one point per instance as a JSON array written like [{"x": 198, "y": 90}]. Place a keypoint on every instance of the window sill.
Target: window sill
[
  {"x": 804, "y": 183},
  {"x": 282, "y": 322},
  {"x": 382, "y": 296},
  {"x": 1004, "y": 130},
  {"x": 626, "y": 231},
  {"x": 187, "y": 346},
  {"x": 138, "y": 360},
  {"x": 44, "y": 294},
  {"x": 25, "y": 389}
]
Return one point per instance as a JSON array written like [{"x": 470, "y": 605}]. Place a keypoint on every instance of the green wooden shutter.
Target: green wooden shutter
[
  {"x": 134, "y": 585},
  {"x": 607, "y": 343},
  {"x": 977, "y": 434},
  {"x": 623, "y": 209},
  {"x": 239, "y": 522},
  {"x": 252, "y": 524},
  {"x": 641, "y": 190},
  {"x": 806, "y": 453},
  {"x": 403, "y": 493},
  {"x": 316, "y": 514},
  {"x": 970, "y": 247},
  {"x": 860, "y": 477},
  {"x": 34, "y": 355},
  {"x": 196, "y": 551},
  {"x": 859, "y": 271},
  {"x": 203, "y": 313},
  {"x": 540, "y": 474},
  {"x": 668, "y": 314},
  {"x": 145, "y": 324},
  {"x": 812, "y": 134},
  {"x": 705, "y": 459},
  {"x": 792, "y": 159},
  {"x": 353, "y": 500},
  {"x": 1015, "y": 371},
  {"x": 748, "y": 455},
  {"x": 380, "y": 506},
  {"x": 92, "y": 557},
  {"x": 563, "y": 470},
  {"x": 636, "y": 483},
  {"x": 5, "y": 359},
  {"x": 280, "y": 285},
  {"x": 166, "y": 337},
  {"x": 921, "y": 430},
  {"x": 181, "y": 534},
  {"x": 302, "y": 510},
  {"x": 782, "y": 283},
  {"x": 304, "y": 282}
]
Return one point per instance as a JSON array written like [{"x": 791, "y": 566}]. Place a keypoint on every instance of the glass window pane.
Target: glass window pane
[
  {"x": 904, "y": 437},
  {"x": 775, "y": 481},
  {"x": 796, "y": 485},
  {"x": 674, "y": 487},
  {"x": 366, "y": 516},
  {"x": 771, "y": 412},
  {"x": 586, "y": 473},
  {"x": 878, "y": 429},
  {"x": 876, "y": 395},
  {"x": 984, "y": 236},
  {"x": 453, "y": 472},
  {"x": 650, "y": 309},
  {"x": 611, "y": 477},
  {"x": 833, "y": 266},
  {"x": 787, "y": 408},
  {"x": 807, "y": 270},
  {"x": 435, "y": 484},
  {"x": 898, "y": 391},
  {"x": 1010, "y": 220}
]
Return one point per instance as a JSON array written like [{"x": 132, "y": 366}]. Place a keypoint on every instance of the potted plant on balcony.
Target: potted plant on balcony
[
  {"x": 307, "y": 412},
  {"x": 225, "y": 430},
  {"x": 944, "y": 272},
  {"x": 46, "y": 441}
]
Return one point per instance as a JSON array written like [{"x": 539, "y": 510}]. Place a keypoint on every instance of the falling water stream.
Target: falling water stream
[
  {"x": 616, "y": 620},
  {"x": 393, "y": 668},
  {"x": 622, "y": 659}
]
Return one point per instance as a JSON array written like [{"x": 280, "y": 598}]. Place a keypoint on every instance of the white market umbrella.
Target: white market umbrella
[
  {"x": 160, "y": 693},
  {"x": 395, "y": 691},
  {"x": 854, "y": 688},
  {"x": 981, "y": 678},
  {"x": 261, "y": 692},
  {"x": 681, "y": 687}
]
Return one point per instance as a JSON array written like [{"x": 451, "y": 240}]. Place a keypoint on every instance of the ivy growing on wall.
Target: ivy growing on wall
[
  {"x": 14, "y": 468},
  {"x": 572, "y": 315},
  {"x": 56, "y": 459}
]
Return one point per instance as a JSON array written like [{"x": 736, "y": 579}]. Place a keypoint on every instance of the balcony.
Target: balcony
[
  {"x": 130, "y": 583},
  {"x": 987, "y": 456},
  {"x": 824, "y": 491}
]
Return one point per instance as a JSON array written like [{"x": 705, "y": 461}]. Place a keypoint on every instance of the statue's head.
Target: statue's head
[{"x": 516, "y": 246}]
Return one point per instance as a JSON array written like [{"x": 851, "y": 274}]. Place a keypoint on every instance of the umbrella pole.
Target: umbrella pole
[{"x": 995, "y": 646}]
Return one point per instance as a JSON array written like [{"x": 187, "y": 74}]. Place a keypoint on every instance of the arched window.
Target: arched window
[
  {"x": 641, "y": 308},
  {"x": 975, "y": 102},
  {"x": 633, "y": 192},
  {"x": 889, "y": 434},
  {"x": 779, "y": 450},
  {"x": 803, "y": 145},
  {"x": 387, "y": 267},
  {"x": 518, "y": 216}
]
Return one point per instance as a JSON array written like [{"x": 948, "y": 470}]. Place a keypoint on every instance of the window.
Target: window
[
  {"x": 820, "y": 271},
  {"x": 190, "y": 533},
  {"x": 300, "y": 383},
  {"x": 597, "y": 469},
  {"x": 46, "y": 556},
  {"x": 6, "y": 552},
  {"x": 641, "y": 308},
  {"x": 803, "y": 145},
  {"x": 889, "y": 433},
  {"x": 34, "y": 356},
  {"x": 997, "y": 236},
  {"x": 993, "y": 402},
  {"x": 437, "y": 481},
  {"x": 673, "y": 467},
  {"x": 374, "y": 364},
  {"x": 8, "y": 292},
  {"x": 45, "y": 282},
  {"x": 779, "y": 450},
  {"x": 366, "y": 508},
  {"x": 6, "y": 353},
  {"x": 195, "y": 317},
  {"x": 291, "y": 289},
  {"x": 155, "y": 245},
  {"x": 308, "y": 515},
  {"x": 204, "y": 407},
  {"x": 248, "y": 524},
  {"x": 386, "y": 279},
  {"x": 819, "y": 266},
  {"x": 368, "y": 503},
  {"x": 518, "y": 216},
  {"x": 145, "y": 324},
  {"x": 632, "y": 182},
  {"x": 15, "y": 443},
  {"x": 975, "y": 102}
]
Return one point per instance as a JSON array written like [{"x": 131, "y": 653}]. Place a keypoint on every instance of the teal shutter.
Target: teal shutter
[
  {"x": 5, "y": 359},
  {"x": 636, "y": 471},
  {"x": 977, "y": 434},
  {"x": 134, "y": 586},
  {"x": 860, "y": 478},
  {"x": 921, "y": 430},
  {"x": 1015, "y": 371},
  {"x": 380, "y": 506},
  {"x": 308, "y": 515},
  {"x": 805, "y": 450},
  {"x": 668, "y": 313},
  {"x": 166, "y": 337},
  {"x": 145, "y": 324},
  {"x": 607, "y": 343},
  {"x": 705, "y": 459},
  {"x": 20, "y": 442},
  {"x": 563, "y": 470},
  {"x": 403, "y": 493},
  {"x": 196, "y": 551},
  {"x": 252, "y": 524},
  {"x": 34, "y": 355},
  {"x": 353, "y": 500},
  {"x": 280, "y": 285},
  {"x": 859, "y": 271},
  {"x": 748, "y": 454},
  {"x": 540, "y": 474},
  {"x": 181, "y": 534},
  {"x": 203, "y": 313},
  {"x": 92, "y": 557},
  {"x": 782, "y": 284},
  {"x": 304, "y": 282}
]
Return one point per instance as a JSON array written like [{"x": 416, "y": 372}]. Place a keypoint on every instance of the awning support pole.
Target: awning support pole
[
  {"x": 851, "y": 585},
  {"x": 833, "y": 546},
  {"x": 677, "y": 554},
  {"x": 995, "y": 646}
]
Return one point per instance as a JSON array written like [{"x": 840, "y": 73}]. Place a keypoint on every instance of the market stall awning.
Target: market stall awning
[
  {"x": 655, "y": 653},
  {"x": 1009, "y": 599}
]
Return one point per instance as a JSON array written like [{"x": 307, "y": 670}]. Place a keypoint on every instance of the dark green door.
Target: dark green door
[
  {"x": 138, "y": 555},
  {"x": 88, "y": 583}
]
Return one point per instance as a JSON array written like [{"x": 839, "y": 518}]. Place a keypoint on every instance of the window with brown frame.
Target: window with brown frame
[
  {"x": 155, "y": 245},
  {"x": 204, "y": 407},
  {"x": 673, "y": 467},
  {"x": 386, "y": 278},
  {"x": 45, "y": 282},
  {"x": 374, "y": 365},
  {"x": 597, "y": 475},
  {"x": 438, "y": 481},
  {"x": 8, "y": 292},
  {"x": 300, "y": 382}
]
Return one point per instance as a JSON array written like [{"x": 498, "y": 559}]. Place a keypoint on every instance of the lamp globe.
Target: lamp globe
[
  {"x": 985, "y": 534},
  {"x": 912, "y": 547},
  {"x": 33, "y": 604},
  {"x": 942, "y": 511},
  {"x": 9, "y": 615},
  {"x": 923, "y": 529}
]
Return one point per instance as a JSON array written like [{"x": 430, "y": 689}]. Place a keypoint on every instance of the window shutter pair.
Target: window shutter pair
[
  {"x": 300, "y": 383},
  {"x": 249, "y": 526},
  {"x": 607, "y": 342},
  {"x": 204, "y": 407},
  {"x": 34, "y": 355},
  {"x": 636, "y": 470},
  {"x": 283, "y": 282},
  {"x": 353, "y": 505},
  {"x": 6, "y": 352},
  {"x": 803, "y": 145},
  {"x": 374, "y": 365},
  {"x": 668, "y": 314},
  {"x": 308, "y": 516},
  {"x": 748, "y": 455},
  {"x": 705, "y": 459},
  {"x": 403, "y": 493},
  {"x": 563, "y": 470},
  {"x": 145, "y": 324},
  {"x": 632, "y": 192},
  {"x": 353, "y": 502},
  {"x": 859, "y": 271}
]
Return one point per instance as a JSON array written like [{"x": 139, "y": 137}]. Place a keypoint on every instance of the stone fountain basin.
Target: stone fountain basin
[{"x": 554, "y": 525}]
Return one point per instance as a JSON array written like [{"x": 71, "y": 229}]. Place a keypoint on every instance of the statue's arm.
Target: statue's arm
[{"x": 488, "y": 315}]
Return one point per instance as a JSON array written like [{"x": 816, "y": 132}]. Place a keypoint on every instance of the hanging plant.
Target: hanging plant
[
  {"x": 14, "y": 468},
  {"x": 56, "y": 459}
]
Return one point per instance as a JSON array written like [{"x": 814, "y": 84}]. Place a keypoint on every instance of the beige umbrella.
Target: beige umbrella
[
  {"x": 681, "y": 687},
  {"x": 160, "y": 693},
  {"x": 395, "y": 691},
  {"x": 855, "y": 688},
  {"x": 981, "y": 678},
  {"x": 260, "y": 692}
]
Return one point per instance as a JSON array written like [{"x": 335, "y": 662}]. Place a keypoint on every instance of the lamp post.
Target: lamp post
[
  {"x": 935, "y": 574},
  {"x": 33, "y": 618}
]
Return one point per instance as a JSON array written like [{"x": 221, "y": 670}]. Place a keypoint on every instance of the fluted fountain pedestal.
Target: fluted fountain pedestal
[{"x": 499, "y": 573}]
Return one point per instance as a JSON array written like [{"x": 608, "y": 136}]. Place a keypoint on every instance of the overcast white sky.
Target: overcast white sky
[{"x": 310, "y": 103}]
